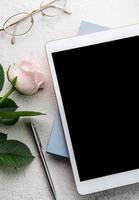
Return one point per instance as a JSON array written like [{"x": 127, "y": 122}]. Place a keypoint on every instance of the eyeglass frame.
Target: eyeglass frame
[{"x": 30, "y": 14}]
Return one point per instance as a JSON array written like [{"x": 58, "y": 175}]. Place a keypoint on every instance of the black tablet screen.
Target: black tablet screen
[{"x": 99, "y": 85}]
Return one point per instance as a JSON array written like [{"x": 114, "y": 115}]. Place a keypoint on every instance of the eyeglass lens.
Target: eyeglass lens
[{"x": 23, "y": 24}]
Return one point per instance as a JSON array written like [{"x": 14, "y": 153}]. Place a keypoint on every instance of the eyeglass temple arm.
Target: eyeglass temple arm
[
  {"x": 63, "y": 9},
  {"x": 13, "y": 36}
]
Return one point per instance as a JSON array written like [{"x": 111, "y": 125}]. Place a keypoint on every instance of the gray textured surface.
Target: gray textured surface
[{"x": 30, "y": 183}]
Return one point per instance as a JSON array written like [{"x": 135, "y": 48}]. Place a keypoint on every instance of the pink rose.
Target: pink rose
[{"x": 30, "y": 77}]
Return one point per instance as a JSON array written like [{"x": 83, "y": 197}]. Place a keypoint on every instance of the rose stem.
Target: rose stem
[{"x": 8, "y": 93}]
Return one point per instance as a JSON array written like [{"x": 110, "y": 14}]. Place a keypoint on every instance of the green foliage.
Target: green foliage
[
  {"x": 8, "y": 105},
  {"x": 13, "y": 82},
  {"x": 3, "y": 137},
  {"x": 10, "y": 118},
  {"x": 13, "y": 153},
  {"x": 1, "y": 77}
]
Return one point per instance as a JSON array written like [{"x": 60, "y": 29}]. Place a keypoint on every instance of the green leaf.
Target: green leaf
[
  {"x": 13, "y": 82},
  {"x": 10, "y": 118},
  {"x": 8, "y": 105},
  {"x": 14, "y": 154},
  {"x": 9, "y": 121},
  {"x": 3, "y": 137},
  {"x": 7, "y": 73},
  {"x": 1, "y": 77},
  {"x": 19, "y": 114}
]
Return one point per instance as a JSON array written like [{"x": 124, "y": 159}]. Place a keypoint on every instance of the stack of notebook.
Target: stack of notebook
[{"x": 56, "y": 144}]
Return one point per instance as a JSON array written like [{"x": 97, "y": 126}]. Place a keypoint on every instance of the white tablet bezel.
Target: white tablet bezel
[{"x": 106, "y": 182}]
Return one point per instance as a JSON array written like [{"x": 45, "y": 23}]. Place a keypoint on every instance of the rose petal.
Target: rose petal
[
  {"x": 39, "y": 79},
  {"x": 26, "y": 85}
]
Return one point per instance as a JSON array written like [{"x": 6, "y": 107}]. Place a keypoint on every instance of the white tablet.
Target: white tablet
[{"x": 96, "y": 82}]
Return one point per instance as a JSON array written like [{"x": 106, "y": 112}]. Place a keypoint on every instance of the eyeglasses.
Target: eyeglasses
[{"x": 21, "y": 23}]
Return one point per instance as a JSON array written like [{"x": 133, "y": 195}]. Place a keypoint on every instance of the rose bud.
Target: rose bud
[{"x": 30, "y": 77}]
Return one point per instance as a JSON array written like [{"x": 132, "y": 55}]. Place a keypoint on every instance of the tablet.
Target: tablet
[{"x": 96, "y": 83}]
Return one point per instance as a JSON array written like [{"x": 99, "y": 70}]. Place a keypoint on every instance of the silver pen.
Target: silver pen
[{"x": 43, "y": 159}]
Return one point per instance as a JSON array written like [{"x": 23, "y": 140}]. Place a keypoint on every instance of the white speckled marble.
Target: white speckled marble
[{"x": 30, "y": 183}]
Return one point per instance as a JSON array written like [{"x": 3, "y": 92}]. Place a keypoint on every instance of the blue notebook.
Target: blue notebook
[{"x": 57, "y": 144}]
